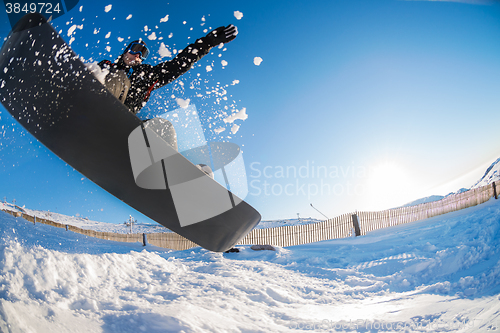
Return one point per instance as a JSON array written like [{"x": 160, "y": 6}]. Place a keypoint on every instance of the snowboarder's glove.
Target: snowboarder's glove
[{"x": 222, "y": 35}]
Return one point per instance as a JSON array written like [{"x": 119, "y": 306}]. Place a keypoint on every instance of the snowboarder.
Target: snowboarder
[{"x": 132, "y": 82}]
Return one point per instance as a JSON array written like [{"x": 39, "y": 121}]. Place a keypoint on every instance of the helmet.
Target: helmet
[{"x": 137, "y": 47}]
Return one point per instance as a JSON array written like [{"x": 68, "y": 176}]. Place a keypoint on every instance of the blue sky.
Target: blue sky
[{"x": 357, "y": 105}]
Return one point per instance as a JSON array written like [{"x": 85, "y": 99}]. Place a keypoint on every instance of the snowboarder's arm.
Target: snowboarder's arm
[
  {"x": 170, "y": 70},
  {"x": 105, "y": 64}
]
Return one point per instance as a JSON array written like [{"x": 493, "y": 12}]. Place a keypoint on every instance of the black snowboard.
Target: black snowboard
[{"x": 50, "y": 92}]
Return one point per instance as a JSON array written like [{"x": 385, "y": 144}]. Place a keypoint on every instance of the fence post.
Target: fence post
[
  {"x": 495, "y": 190},
  {"x": 34, "y": 220},
  {"x": 356, "y": 225},
  {"x": 66, "y": 227},
  {"x": 144, "y": 239}
]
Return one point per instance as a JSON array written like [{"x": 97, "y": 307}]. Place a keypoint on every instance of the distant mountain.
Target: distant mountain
[
  {"x": 491, "y": 175},
  {"x": 424, "y": 200}
]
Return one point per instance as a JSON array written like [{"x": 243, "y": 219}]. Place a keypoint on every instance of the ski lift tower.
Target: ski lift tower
[{"x": 130, "y": 222}]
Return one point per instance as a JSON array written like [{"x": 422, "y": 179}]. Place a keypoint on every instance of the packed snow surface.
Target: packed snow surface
[{"x": 436, "y": 275}]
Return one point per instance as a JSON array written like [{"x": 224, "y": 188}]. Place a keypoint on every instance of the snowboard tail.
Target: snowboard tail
[{"x": 51, "y": 93}]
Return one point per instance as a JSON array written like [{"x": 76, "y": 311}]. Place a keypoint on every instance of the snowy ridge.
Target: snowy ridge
[
  {"x": 286, "y": 222},
  {"x": 431, "y": 198},
  {"x": 491, "y": 175},
  {"x": 85, "y": 223},
  {"x": 435, "y": 275}
]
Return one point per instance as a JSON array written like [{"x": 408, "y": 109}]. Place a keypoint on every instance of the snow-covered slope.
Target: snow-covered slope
[{"x": 436, "y": 275}]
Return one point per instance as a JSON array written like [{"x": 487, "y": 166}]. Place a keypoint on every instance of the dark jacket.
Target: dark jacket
[{"x": 146, "y": 78}]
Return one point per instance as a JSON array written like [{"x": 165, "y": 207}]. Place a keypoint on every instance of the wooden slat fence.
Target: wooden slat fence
[
  {"x": 370, "y": 221},
  {"x": 338, "y": 227},
  {"x": 130, "y": 238},
  {"x": 170, "y": 240}
]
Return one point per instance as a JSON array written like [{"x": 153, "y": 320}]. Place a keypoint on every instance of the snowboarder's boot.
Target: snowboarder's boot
[{"x": 206, "y": 169}]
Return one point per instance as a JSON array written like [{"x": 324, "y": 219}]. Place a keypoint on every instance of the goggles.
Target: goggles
[{"x": 138, "y": 48}]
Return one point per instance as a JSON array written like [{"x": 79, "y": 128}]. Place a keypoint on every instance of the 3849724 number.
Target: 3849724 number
[{"x": 34, "y": 7}]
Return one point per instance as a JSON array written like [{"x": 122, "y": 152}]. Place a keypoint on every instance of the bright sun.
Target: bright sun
[{"x": 388, "y": 186}]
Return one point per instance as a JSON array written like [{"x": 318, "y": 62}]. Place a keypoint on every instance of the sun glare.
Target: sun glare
[{"x": 389, "y": 185}]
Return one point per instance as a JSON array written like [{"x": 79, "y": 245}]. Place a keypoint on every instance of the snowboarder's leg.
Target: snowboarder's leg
[
  {"x": 117, "y": 84},
  {"x": 164, "y": 129}
]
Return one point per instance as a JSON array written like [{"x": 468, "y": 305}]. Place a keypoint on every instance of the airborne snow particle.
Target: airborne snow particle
[
  {"x": 129, "y": 17},
  {"x": 108, "y": 8},
  {"x": 235, "y": 128},
  {"x": 73, "y": 28},
  {"x": 152, "y": 36},
  {"x": 209, "y": 68},
  {"x": 165, "y": 19},
  {"x": 164, "y": 51},
  {"x": 99, "y": 73},
  {"x": 224, "y": 63},
  {"x": 257, "y": 61},
  {"x": 219, "y": 130},
  {"x": 183, "y": 103},
  {"x": 108, "y": 35},
  {"x": 242, "y": 115},
  {"x": 238, "y": 15}
]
